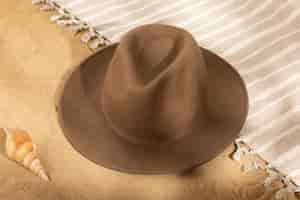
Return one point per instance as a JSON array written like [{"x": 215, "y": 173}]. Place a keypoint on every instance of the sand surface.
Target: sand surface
[{"x": 34, "y": 55}]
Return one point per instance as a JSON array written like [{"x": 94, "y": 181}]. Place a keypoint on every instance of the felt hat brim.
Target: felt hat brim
[{"x": 89, "y": 133}]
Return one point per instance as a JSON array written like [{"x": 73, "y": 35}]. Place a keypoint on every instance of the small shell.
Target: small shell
[{"x": 19, "y": 147}]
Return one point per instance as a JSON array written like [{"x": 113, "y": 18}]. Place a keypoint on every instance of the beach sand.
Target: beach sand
[{"x": 34, "y": 55}]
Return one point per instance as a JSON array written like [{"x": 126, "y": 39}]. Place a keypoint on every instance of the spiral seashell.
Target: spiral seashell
[{"x": 20, "y": 148}]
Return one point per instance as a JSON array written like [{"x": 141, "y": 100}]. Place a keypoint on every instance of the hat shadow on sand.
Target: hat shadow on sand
[{"x": 220, "y": 178}]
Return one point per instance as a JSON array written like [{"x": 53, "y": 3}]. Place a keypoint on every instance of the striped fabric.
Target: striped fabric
[{"x": 261, "y": 38}]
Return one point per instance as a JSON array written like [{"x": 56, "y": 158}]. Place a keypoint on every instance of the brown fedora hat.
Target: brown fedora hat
[{"x": 154, "y": 103}]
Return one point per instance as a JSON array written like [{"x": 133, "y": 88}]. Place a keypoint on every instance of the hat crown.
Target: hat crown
[{"x": 154, "y": 88}]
